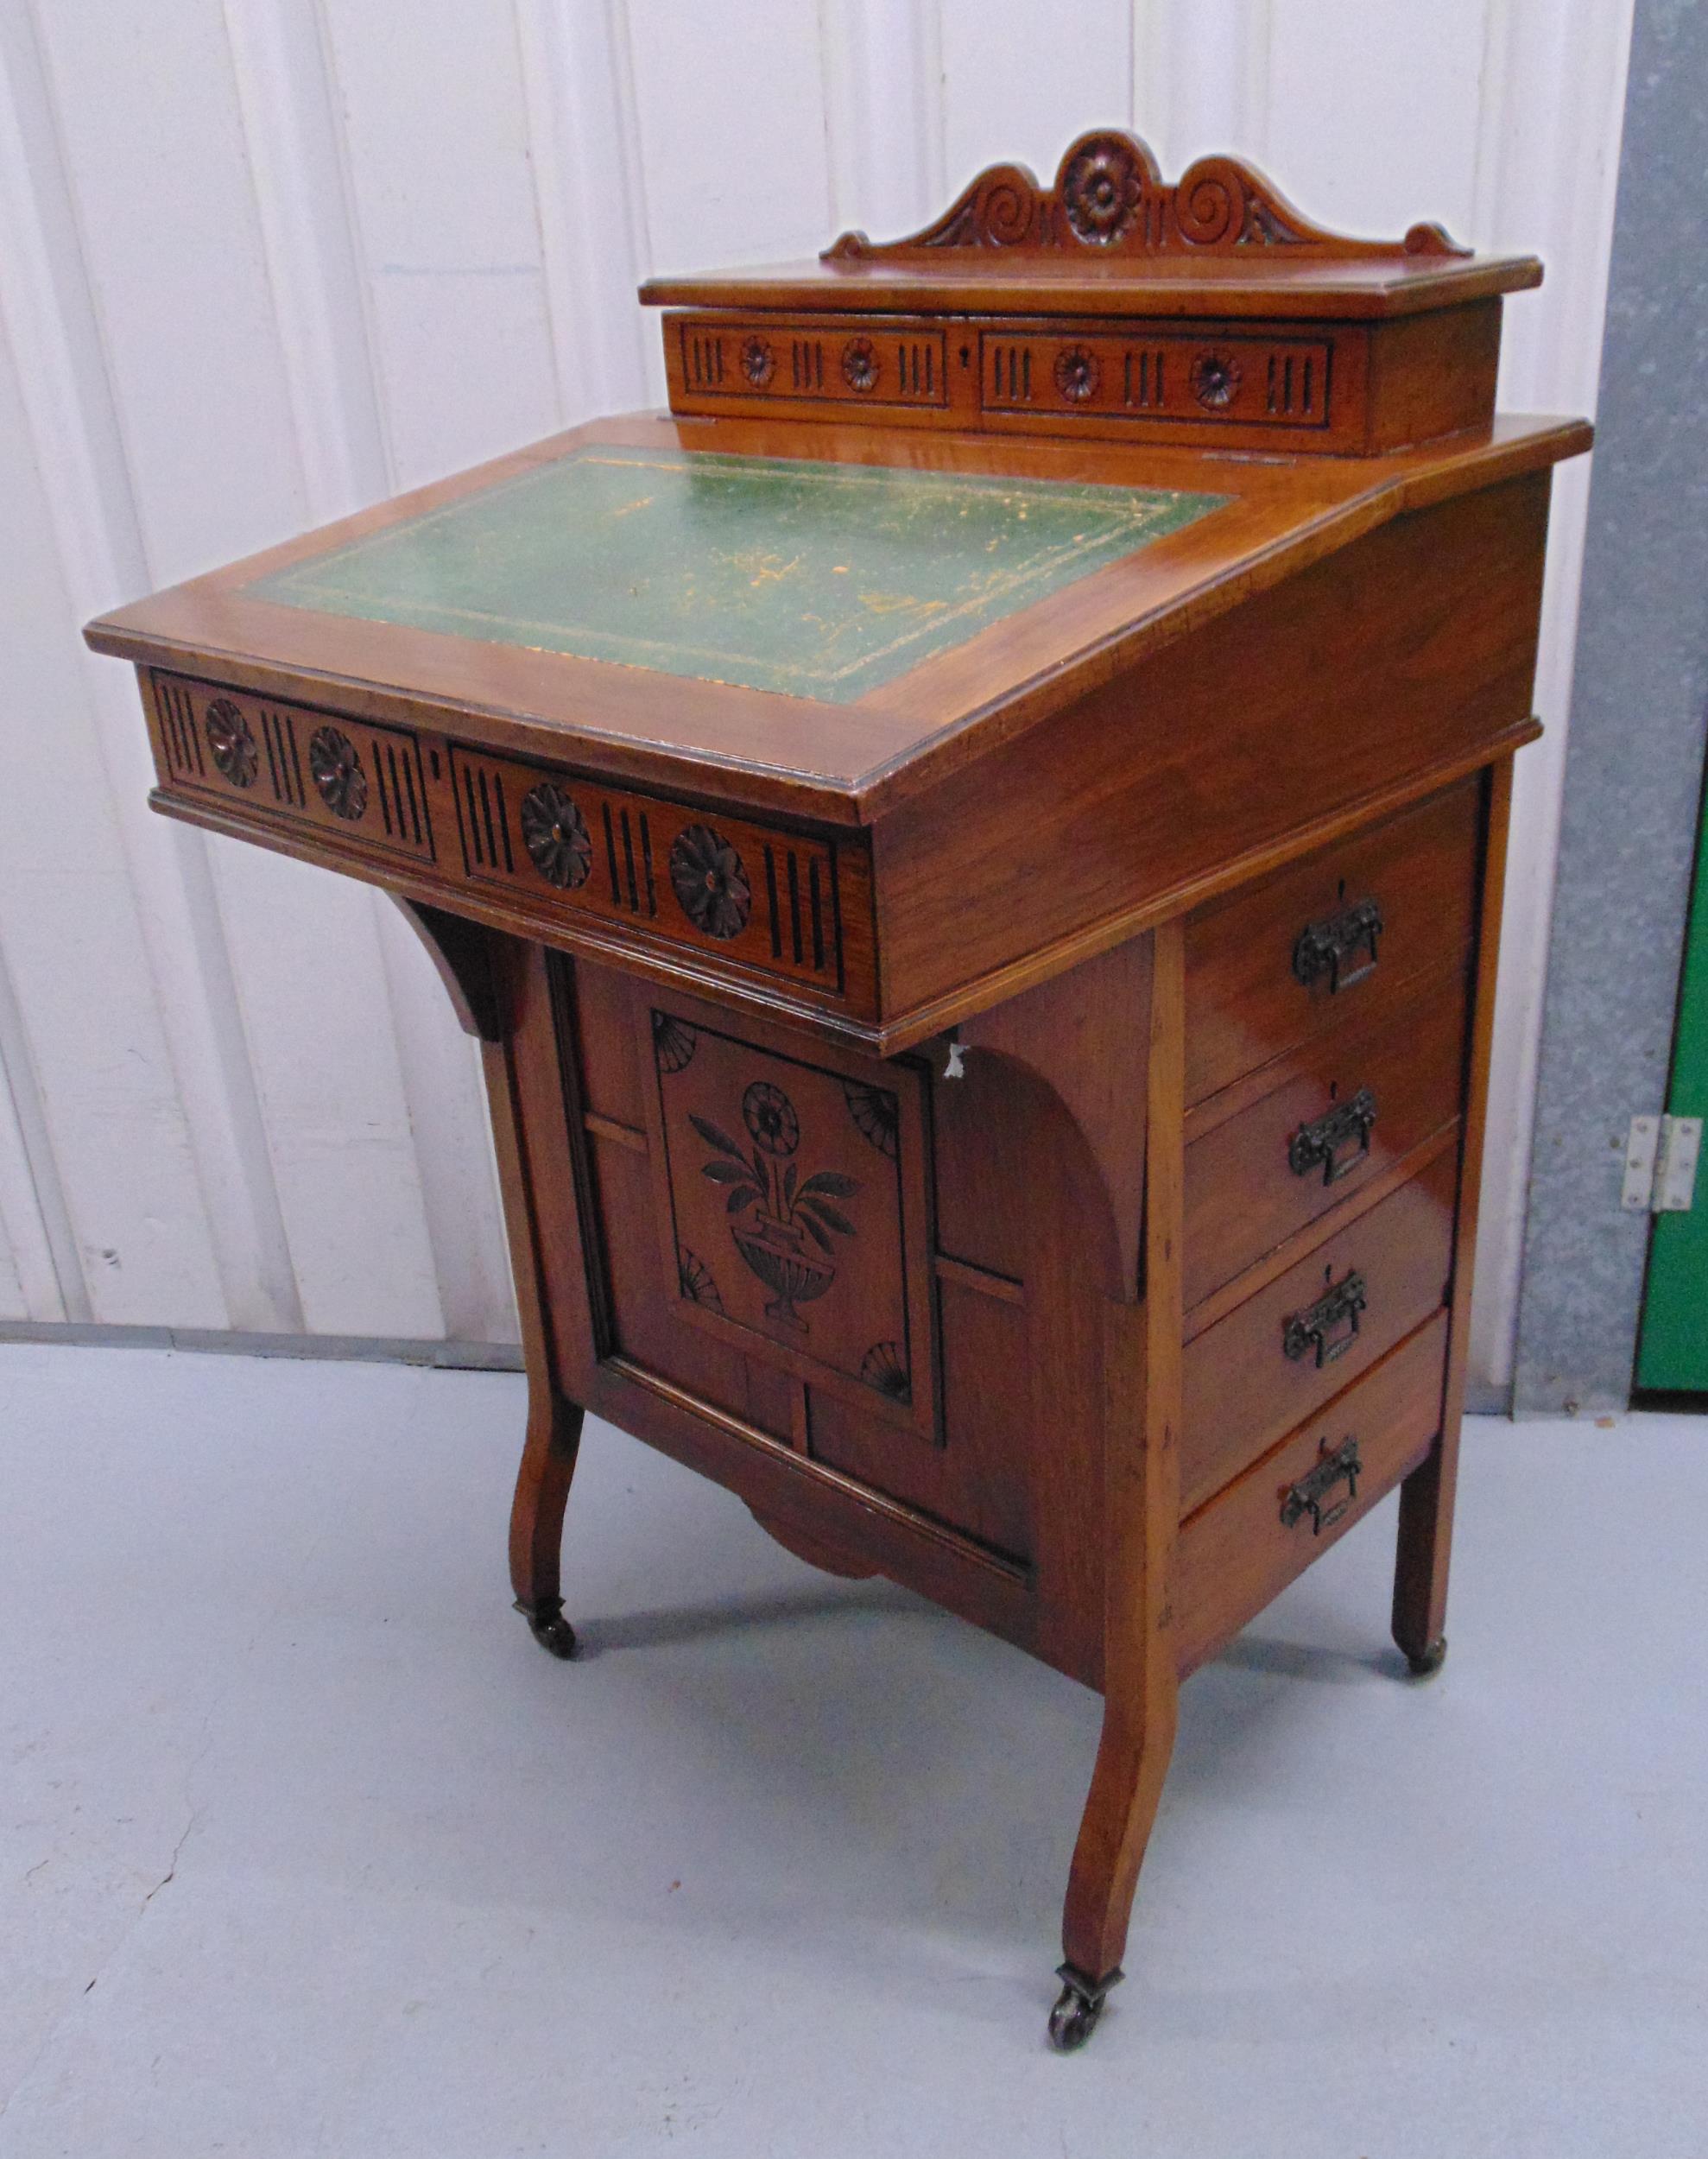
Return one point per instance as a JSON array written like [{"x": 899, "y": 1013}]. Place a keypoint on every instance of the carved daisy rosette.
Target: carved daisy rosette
[
  {"x": 232, "y": 741},
  {"x": 770, "y": 1116},
  {"x": 860, "y": 364},
  {"x": 1101, "y": 190},
  {"x": 1215, "y": 377},
  {"x": 555, "y": 834},
  {"x": 1077, "y": 373},
  {"x": 338, "y": 773},
  {"x": 707, "y": 877},
  {"x": 759, "y": 362}
]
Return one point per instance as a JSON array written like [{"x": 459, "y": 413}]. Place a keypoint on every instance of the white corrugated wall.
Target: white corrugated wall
[{"x": 262, "y": 261}]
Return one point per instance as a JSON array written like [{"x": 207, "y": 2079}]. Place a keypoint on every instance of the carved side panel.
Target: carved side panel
[{"x": 791, "y": 1200}]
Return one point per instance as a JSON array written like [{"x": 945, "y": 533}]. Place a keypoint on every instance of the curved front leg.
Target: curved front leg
[{"x": 536, "y": 1516}]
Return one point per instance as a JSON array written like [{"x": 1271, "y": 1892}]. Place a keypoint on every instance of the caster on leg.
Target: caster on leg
[
  {"x": 1078, "y": 2006},
  {"x": 548, "y": 1626},
  {"x": 1430, "y": 1660}
]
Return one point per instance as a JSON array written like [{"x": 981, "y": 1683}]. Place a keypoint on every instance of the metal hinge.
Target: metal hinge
[{"x": 1660, "y": 1156}]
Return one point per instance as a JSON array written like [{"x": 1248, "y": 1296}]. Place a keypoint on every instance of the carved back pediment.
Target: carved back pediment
[{"x": 1109, "y": 197}]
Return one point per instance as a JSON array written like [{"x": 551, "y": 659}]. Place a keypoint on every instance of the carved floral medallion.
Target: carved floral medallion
[
  {"x": 759, "y": 362},
  {"x": 338, "y": 773},
  {"x": 707, "y": 876},
  {"x": 1102, "y": 188},
  {"x": 1077, "y": 372},
  {"x": 555, "y": 834},
  {"x": 1215, "y": 380},
  {"x": 232, "y": 741},
  {"x": 860, "y": 364}
]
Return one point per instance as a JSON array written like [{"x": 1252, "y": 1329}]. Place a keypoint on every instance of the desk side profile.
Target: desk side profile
[{"x": 973, "y": 849}]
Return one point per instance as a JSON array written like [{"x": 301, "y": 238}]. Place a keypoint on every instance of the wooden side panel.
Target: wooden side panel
[{"x": 1403, "y": 652}]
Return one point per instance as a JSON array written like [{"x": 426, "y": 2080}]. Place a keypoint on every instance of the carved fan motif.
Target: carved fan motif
[
  {"x": 673, "y": 1042},
  {"x": 229, "y": 738},
  {"x": 707, "y": 876},
  {"x": 876, "y": 1114},
  {"x": 698, "y": 1286},
  {"x": 338, "y": 773},
  {"x": 555, "y": 834},
  {"x": 883, "y": 1367}
]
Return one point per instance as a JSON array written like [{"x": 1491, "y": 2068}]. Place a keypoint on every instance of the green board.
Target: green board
[
  {"x": 1673, "y": 1351},
  {"x": 775, "y": 574}
]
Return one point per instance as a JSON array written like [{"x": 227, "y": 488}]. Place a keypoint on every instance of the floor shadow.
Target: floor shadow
[
  {"x": 741, "y": 1615},
  {"x": 1304, "y": 1659}
]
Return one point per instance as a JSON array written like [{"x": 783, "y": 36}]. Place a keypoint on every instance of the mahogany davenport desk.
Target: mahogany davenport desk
[{"x": 974, "y": 848}]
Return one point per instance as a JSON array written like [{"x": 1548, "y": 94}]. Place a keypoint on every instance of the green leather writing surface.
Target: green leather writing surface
[{"x": 774, "y": 573}]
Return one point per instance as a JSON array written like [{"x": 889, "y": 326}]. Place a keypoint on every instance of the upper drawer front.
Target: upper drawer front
[
  {"x": 1343, "y": 934},
  {"x": 768, "y": 899},
  {"x": 556, "y": 845},
  {"x": 1274, "y": 1359},
  {"x": 343, "y": 775},
  {"x": 1225, "y": 377},
  {"x": 1347, "y": 1109},
  {"x": 1248, "y": 1544},
  {"x": 850, "y": 362}
]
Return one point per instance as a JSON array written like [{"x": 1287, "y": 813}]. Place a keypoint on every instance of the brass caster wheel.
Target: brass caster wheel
[
  {"x": 1430, "y": 1662},
  {"x": 1078, "y": 2006},
  {"x": 549, "y": 1628}
]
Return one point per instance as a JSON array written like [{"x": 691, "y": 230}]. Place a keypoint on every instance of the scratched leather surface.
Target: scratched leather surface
[{"x": 774, "y": 573}]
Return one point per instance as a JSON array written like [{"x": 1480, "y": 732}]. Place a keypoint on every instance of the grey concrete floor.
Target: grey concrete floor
[{"x": 306, "y": 1849}]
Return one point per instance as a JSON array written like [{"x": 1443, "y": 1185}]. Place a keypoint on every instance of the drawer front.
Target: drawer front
[
  {"x": 1309, "y": 1333},
  {"x": 560, "y": 845},
  {"x": 1344, "y": 935},
  {"x": 324, "y": 770},
  {"x": 1349, "y": 1107},
  {"x": 1243, "y": 1549}
]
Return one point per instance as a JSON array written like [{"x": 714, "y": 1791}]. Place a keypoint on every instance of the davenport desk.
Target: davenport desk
[{"x": 974, "y": 849}]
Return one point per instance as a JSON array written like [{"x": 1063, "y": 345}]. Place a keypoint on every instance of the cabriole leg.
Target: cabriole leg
[{"x": 537, "y": 1520}]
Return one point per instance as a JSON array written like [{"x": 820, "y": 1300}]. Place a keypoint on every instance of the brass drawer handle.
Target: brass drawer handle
[
  {"x": 1306, "y": 1496},
  {"x": 1347, "y": 1124},
  {"x": 1329, "y": 1327},
  {"x": 1327, "y": 947}
]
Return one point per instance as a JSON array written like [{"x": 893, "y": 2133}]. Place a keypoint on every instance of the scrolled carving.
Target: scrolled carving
[
  {"x": 1109, "y": 195},
  {"x": 708, "y": 878},
  {"x": 338, "y": 773},
  {"x": 555, "y": 834},
  {"x": 231, "y": 739}
]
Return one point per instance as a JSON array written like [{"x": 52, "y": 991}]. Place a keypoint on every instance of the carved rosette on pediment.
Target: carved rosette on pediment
[{"x": 1110, "y": 197}]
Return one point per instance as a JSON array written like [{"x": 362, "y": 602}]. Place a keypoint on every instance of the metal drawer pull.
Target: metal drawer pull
[
  {"x": 1347, "y": 1124},
  {"x": 1326, "y": 947},
  {"x": 1329, "y": 1327},
  {"x": 1306, "y": 1496}
]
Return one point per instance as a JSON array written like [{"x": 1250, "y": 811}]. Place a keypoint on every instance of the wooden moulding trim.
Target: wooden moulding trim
[
  {"x": 748, "y": 994},
  {"x": 1251, "y": 1281},
  {"x": 907, "y": 1030},
  {"x": 962, "y": 1548}
]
